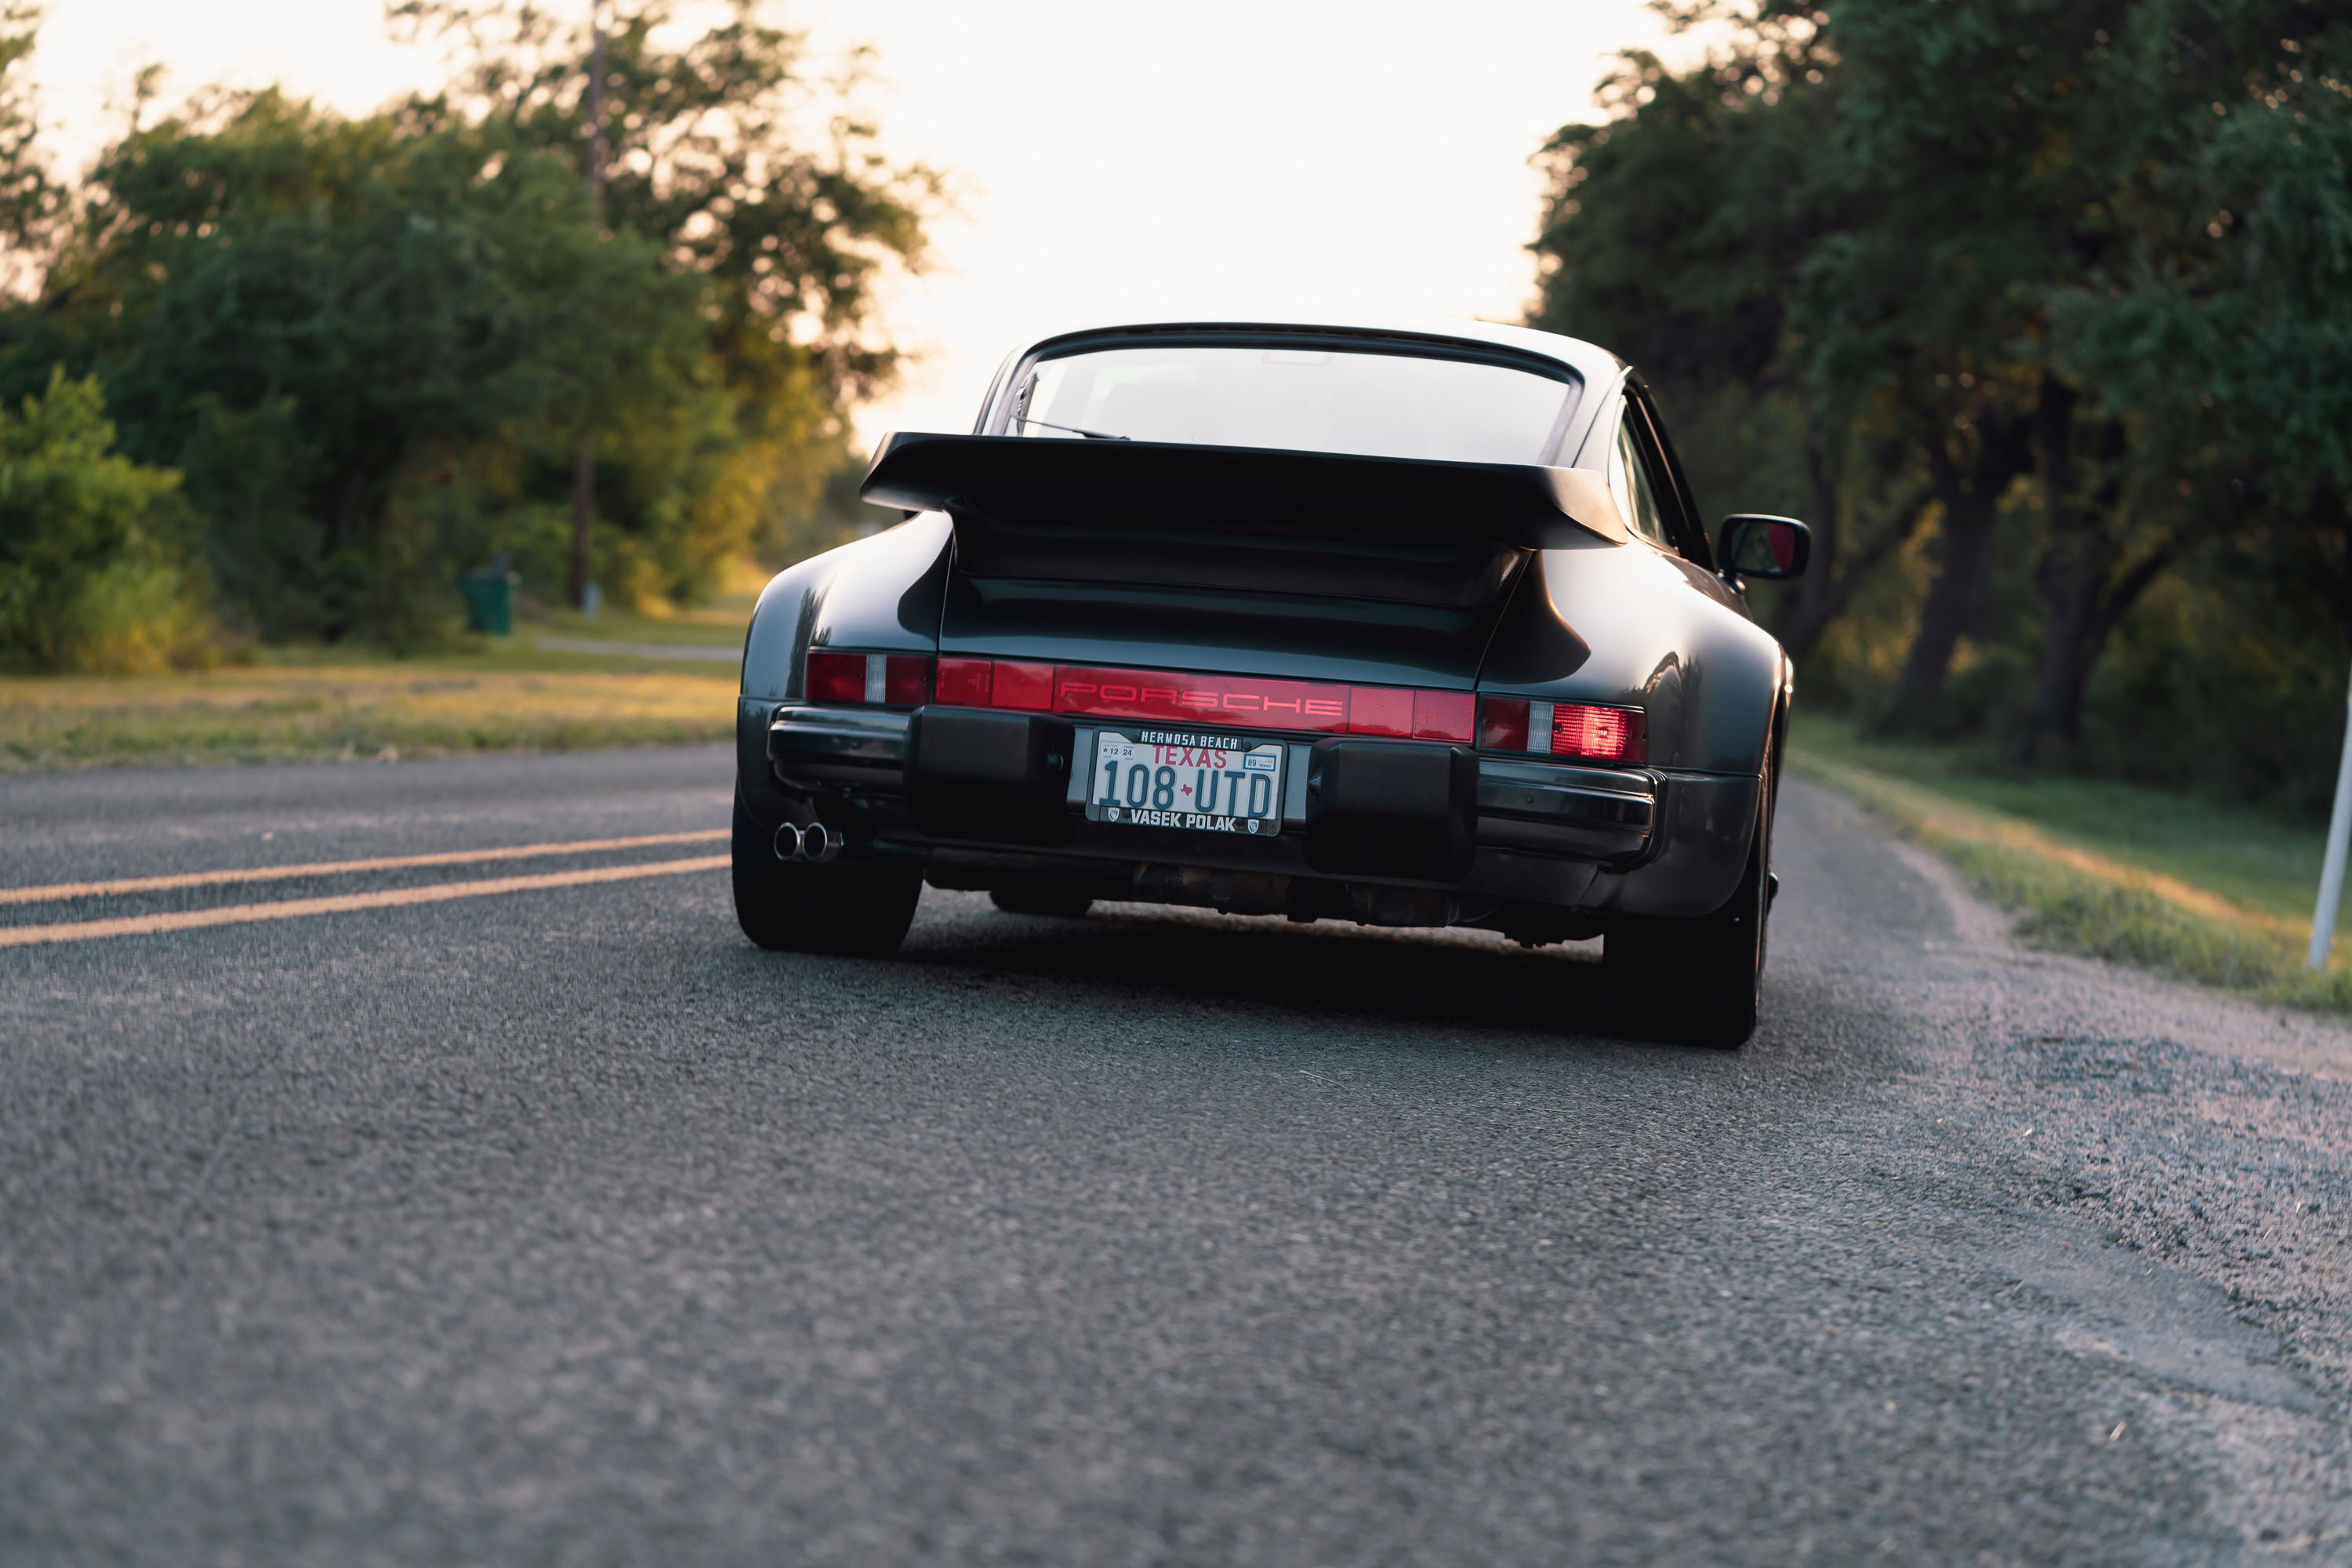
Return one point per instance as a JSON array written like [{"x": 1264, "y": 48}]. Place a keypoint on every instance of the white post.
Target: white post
[{"x": 2339, "y": 831}]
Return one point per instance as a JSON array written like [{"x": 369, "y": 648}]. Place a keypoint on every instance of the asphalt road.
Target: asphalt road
[{"x": 561, "y": 1225}]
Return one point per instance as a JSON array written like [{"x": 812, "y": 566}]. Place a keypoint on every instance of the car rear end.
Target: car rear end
[
  {"x": 1400, "y": 664},
  {"x": 1386, "y": 805}
]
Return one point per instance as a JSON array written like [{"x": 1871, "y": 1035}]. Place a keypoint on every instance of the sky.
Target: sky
[{"x": 1110, "y": 159}]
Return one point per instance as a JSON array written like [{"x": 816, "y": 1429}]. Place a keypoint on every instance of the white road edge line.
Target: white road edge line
[
  {"x": 342, "y": 867},
  {"x": 390, "y": 898}
]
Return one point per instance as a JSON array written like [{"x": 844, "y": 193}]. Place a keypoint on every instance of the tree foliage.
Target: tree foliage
[
  {"x": 373, "y": 344},
  {"x": 704, "y": 152},
  {"x": 30, "y": 198},
  {"x": 95, "y": 565},
  {"x": 2050, "y": 296}
]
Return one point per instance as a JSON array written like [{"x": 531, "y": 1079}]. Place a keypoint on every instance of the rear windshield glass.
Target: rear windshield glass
[{"x": 1372, "y": 405}]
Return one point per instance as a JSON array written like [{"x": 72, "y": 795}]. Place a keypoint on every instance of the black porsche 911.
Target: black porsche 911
[{"x": 1406, "y": 626}]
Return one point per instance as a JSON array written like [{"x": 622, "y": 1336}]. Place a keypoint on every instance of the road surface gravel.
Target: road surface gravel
[{"x": 565, "y": 1227}]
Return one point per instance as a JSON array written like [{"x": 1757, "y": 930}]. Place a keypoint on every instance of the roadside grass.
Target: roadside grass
[
  {"x": 314, "y": 705},
  {"x": 324, "y": 704},
  {"x": 719, "y": 624},
  {"x": 2139, "y": 876}
]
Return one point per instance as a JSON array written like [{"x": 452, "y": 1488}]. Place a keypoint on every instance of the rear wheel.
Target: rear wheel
[
  {"x": 1703, "y": 979},
  {"x": 1041, "y": 901},
  {"x": 859, "y": 911}
]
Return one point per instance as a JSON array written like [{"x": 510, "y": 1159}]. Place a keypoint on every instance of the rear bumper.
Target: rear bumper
[{"x": 1635, "y": 841}]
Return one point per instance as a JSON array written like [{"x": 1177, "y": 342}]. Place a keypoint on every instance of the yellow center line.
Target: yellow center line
[
  {"x": 390, "y": 898},
  {"x": 342, "y": 867}
]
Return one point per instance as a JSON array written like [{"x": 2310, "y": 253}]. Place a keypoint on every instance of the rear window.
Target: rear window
[{"x": 1300, "y": 399}]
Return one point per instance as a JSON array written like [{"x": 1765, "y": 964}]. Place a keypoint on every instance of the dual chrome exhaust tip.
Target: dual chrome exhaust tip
[{"x": 816, "y": 844}]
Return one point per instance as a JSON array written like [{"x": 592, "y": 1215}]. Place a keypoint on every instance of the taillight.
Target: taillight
[
  {"x": 1610, "y": 734},
  {"x": 906, "y": 679},
  {"x": 1380, "y": 711},
  {"x": 1582, "y": 730},
  {"x": 902, "y": 679},
  {"x": 1027, "y": 686},
  {"x": 963, "y": 683},
  {"x": 836, "y": 676},
  {"x": 1502, "y": 724},
  {"x": 1442, "y": 715}
]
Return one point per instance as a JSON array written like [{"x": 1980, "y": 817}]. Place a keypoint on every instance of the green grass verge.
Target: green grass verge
[
  {"x": 355, "y": 710},
  {"x": 2137, "y": 875},
  {"x": 719, "y": 624},
  {"x": 311, "y": 703}
]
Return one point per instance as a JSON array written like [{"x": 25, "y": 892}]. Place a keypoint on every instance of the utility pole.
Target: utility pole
[
  {"x": 583, "y": 467},
  {"x": 2331, "y": 874}
]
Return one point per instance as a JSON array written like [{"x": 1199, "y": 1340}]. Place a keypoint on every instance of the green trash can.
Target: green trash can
[{"x": 489, "y": 599}]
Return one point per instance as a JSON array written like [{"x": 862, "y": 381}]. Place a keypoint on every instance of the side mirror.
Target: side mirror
[{"x": 1770, "y": 548}]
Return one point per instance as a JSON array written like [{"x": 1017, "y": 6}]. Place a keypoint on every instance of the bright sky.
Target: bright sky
[{"x": 1114, "y": 160}]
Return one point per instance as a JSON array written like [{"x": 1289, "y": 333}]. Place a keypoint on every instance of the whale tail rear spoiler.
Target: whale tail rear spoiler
[{"x": 1133, "y": 486}]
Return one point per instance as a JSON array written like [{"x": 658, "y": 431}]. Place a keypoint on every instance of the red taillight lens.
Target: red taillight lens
[
  {"x": 1027, "y": 686},
  {"x": 1583, "y": 730},
  {"x": 907, "y": 680},
  {"x": 1442, "y": 715},
  {"x": 836, "y": 676},
  {"x": 1604, "y": 734},
  {"x": 1502, "y": 724},
  {"x": 963, "y": 683},
  {"x": 903, "y": 679},
  {"x": 996, "y": 683},
  {"x": 1380, "y": 711}
]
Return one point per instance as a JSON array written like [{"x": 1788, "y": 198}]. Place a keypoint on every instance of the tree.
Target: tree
[
  {"x": 2018, "y": 270},
  {"x": 2219, "y": 325},
  {"x": 1674, "y": 233},
  {"x": 30, "y": 199},
  {"x": 358, "y": 306},
  {"x": 706, "y": 157},
  {"x": 94, "y": 563},
  {"x": 374, "y": 344}
]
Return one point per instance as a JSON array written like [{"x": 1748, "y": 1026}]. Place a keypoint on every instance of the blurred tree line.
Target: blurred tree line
[
  {"x": 2040, "y": 311},
  {"x": 333, "y": 361}
]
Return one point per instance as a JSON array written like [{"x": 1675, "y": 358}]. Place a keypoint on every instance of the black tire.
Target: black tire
[
  {"x": 1041, "y": 901},
  {"x": 853, "y": 912},
  {"x": 1702, "y": 981}
]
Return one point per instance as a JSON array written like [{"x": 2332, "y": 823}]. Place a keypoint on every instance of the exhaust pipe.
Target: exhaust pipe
[{"x": 816, "y": 844}]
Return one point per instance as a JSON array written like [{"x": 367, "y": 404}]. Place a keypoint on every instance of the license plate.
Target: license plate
[{"x": 1212, "y": 784}]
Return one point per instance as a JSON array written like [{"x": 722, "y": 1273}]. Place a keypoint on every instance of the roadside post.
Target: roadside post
[
  {"x": 2340, "y": 830},
  {"x": 583, "y": 464}
]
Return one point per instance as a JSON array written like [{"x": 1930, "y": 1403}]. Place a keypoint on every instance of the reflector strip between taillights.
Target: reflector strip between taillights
[
  {"x": 1171, "y": 698},
  {"x": 1256, "y": 701}
]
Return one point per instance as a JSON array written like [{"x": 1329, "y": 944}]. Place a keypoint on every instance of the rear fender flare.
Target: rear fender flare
[{"x": 877, "y": 595}]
